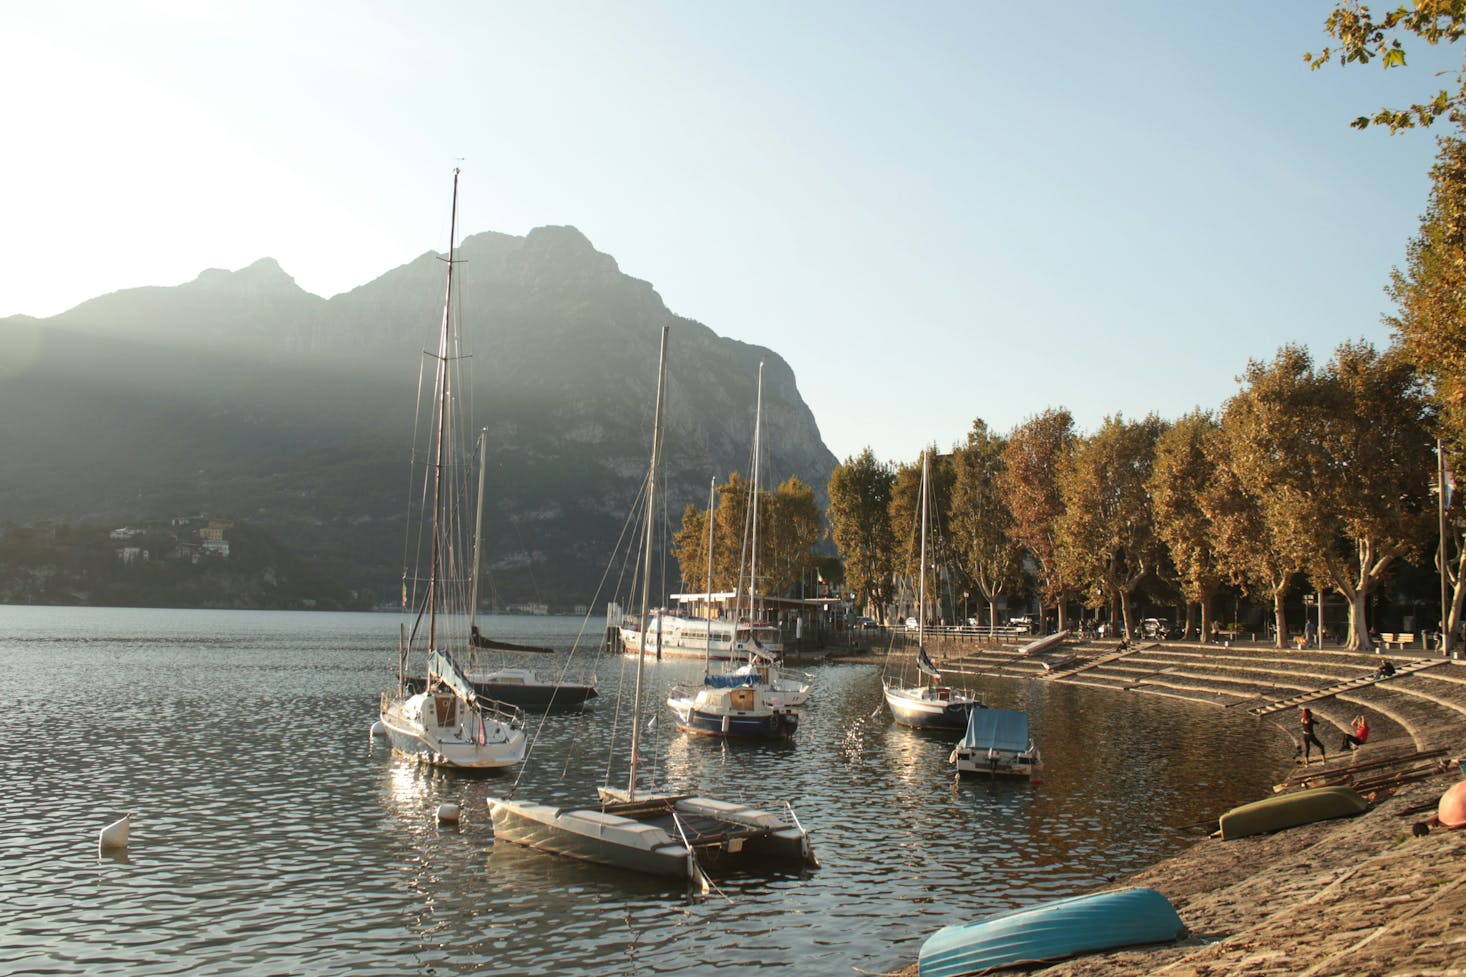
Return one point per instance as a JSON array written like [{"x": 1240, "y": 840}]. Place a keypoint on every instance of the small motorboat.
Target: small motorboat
[
  {"x": 1291, "y": 810},
  {"x": 1051, "y": 931}
]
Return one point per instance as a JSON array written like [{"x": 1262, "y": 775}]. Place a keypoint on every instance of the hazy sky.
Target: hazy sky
[{"x": 934, "y": 211}]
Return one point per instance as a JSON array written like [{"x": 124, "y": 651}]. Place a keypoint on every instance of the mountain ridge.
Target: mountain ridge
[{"x": 241, "y": 394}]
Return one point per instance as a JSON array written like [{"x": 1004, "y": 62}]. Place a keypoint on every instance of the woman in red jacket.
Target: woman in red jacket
[{"x": 1359, "y": 736}]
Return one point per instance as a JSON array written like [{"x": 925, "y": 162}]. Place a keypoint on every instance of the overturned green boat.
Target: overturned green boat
[{"x": 1291, "y": 810}]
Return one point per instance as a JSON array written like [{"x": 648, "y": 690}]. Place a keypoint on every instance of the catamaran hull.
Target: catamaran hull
[{"x": 571, "y": 835}]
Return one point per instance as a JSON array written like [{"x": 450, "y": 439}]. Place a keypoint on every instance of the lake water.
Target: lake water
[{"x": 270, "y": 837}]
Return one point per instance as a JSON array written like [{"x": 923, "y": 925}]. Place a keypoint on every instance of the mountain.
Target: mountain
[{"x": 243, "y": 396}]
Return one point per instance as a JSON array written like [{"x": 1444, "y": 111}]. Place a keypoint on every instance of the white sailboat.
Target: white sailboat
[
  {"x": 518, "y": 686},
  {"x": 929, "y": 705},
  {"x": 674, "y": 835},
  {"x": 446, "y": 723},
  {"x": 742, "y": 703}
]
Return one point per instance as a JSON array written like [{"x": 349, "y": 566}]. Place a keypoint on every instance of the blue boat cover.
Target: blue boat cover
[
  {"x": 1051, "y": 931},
  {"x": 444, "y": 667},
  {"x": 997, "y": 729},
  {"x": 727, "y": 680}
]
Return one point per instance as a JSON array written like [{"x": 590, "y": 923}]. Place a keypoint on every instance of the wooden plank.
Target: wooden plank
[{"x": 1345, "y": 685}]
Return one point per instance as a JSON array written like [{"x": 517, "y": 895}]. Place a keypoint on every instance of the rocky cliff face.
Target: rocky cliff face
[{"x": 241, "y": 394}]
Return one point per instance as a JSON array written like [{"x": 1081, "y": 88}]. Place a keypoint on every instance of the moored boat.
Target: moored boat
[
  {"x": 740, "y": 712},
  {"x": 997, "y": 745},
  {"x": 1051, "y": 931},
  {"x": 1290, "y": 810}
]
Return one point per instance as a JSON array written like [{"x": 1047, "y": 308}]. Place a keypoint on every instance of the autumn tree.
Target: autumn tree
[
  {"x": 1106, "y": 533},
  {"x": 860, "y": 525},
  {"x": 1362, "y": 38},
  {"x": 1337, "y": 463},
  {"x": 788, "y": 530},
  {"x": 1185, "y": 467},
  {"x": 981, "y": 525},
  {"x": 1382, "y": 466},
  {"x": 1430, "y": 293},
  {"x": 1033, "y": 458}
]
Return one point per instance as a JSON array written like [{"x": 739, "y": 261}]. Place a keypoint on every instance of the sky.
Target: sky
[{"x": 934, "y": 211}]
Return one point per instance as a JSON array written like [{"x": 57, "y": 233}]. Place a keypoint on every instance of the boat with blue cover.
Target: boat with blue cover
[
  {"x": 1051, "y": 931},
  {"x": 997, "y": 744}
]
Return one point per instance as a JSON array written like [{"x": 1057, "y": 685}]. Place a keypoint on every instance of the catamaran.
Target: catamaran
[{"x": 669, "y": 834}]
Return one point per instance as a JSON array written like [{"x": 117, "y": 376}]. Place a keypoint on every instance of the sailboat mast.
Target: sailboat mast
[
  {"x": 441, "y": 449},
  {"x": 921, "y": 585},
  {"x": 708, "y": 653},
  {"x": 478, "y": 529},
  {"x": 646, "y": 570},
  {"x": 758, "y": 419}
]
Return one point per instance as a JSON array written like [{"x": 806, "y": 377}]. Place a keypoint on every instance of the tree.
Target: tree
[
  {"x": 981, "y": 525},
  {"x": 1362, "y": 38},
  {"x": 791, "y": 530},
  {"x": 1336, "y": 463},
  {"x": 860, "y": 525},
  {"x": 1106, "y": 533},
  {"x": 1430, "y": 293},
  {"x": 905, "y": 510},
  {"x": 1185, "y": 466},
  {"x": 1032, "y": 461},
  {"x": 1383, "y": 467}
]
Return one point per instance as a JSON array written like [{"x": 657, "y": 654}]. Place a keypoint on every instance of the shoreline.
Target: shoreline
[{"x": 1360, "y": 895}]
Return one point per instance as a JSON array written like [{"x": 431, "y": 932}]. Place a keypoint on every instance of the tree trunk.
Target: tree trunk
[
  {"x": 1280, "y": 620},
  {"x": 1358, "y": 626},
  {"x": 1205, "y": 622}
]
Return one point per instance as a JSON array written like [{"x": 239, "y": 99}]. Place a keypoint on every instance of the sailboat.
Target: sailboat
[
  {"x": 446, "y": 723},
  {"x": 518, "y": 686},
  {"x": 673, "y": 835},
  {"x": 741, "y": 704},
  {"x": 929, "y": 705}
]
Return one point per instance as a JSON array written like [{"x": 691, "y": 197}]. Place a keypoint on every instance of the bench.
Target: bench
[{"x": 1400, "y": 641}]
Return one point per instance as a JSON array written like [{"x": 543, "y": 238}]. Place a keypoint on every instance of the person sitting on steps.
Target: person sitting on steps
[{"x": 1359, "y": 737}]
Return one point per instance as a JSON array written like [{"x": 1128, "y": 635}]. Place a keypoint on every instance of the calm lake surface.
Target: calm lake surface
[{"x": 270, "y": 837}]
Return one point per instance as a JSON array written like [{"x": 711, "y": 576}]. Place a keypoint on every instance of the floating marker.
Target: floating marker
[
  {"x": 448, "y": 813},
  {"x": 114, "y": 836}
]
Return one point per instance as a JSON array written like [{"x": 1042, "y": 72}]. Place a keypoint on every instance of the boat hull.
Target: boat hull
[
  {"x": 644, "y": 835},
  {"x": 777, "y": 725},
  {"x": 909, "y": 707},
  {"x": 498, "y": 745},
  {"x": 1291, "y": 810},
  {"x": 1051, "y": 931},
  {"x": 525, "y": 694}
]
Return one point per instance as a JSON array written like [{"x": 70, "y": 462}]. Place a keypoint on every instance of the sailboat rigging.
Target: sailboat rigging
[
  {"x": 674, "y": 835},
  {"x": 929, "y": 705},
  {"x": 446, "y": 723}
]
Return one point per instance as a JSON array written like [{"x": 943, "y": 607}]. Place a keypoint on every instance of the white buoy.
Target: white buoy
[
  {"x": 114, "y": 836},
  {"x": 448, "y": 813}
]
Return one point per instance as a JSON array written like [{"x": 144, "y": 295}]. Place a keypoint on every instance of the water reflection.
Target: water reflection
[{"x": 267, "y": 839}]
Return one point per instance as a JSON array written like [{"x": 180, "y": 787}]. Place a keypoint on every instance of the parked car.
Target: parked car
[
  {"x": 867, "y": 624},
  {"x": 1154, "y": 627},
  {"x": 912, "y": 624},
  {"x": 1022, "y": 621}
]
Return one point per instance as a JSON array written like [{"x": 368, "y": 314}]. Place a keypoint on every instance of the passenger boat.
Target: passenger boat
[
  {"x": 671, "y": 635},
  {"x": 1051, "y": 931},
  {"x": 997, "y": 745},
  {"x": 1290, "y": 810}
]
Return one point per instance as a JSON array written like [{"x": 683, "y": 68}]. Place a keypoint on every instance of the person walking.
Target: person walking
[
  {"x": 1359, "y": 737},
  {"x": 1310, "y": 738}
]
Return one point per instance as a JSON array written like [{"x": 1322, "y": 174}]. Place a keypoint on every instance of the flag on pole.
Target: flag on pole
[{"x": 925, "y": 663}]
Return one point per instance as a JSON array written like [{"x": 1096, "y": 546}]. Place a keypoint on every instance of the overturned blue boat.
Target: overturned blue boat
[{"x": 1051, "y": 931}]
